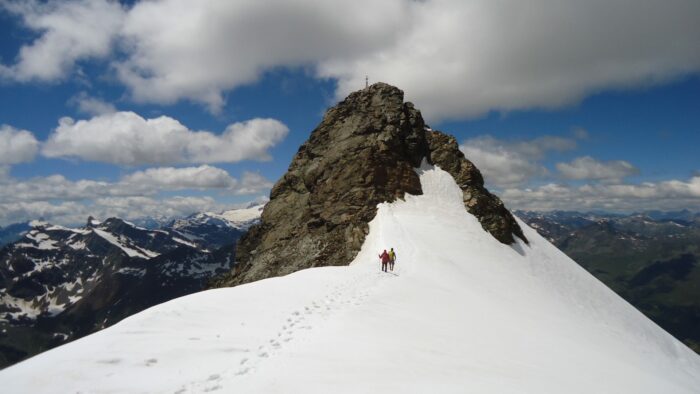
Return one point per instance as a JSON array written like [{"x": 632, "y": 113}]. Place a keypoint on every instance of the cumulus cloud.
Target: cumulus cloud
[
  {"x": 16, "y": 146},
  {"x": 148, "y": 182},
  {"x": 587, "y": 167},
  {"x": 139, "y": 194},
  {"x": 128, "y": 139},
  {"x": 72, "y": 212},
  {"x": 69, "y": 31},
  {"x": 462, "y": 59},
  {"x": 197, "y": 50},
  {"x": 139, "y": 207},
  {"x": 670, "y": 195},
  {"x": 507, "y": 163},
  {"x": 455, "y": 59},
  {"x": 14, "y": 212},
  {"x": 54, "y": 187},
  {"x": 202, "y": 177},
  {"x": 253, "y": 183},
  {"x": 91, "y": 105}
]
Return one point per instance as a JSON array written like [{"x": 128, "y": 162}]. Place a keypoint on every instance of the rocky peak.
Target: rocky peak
[
  {"x": 92, "y": 222},
  {"x": 363, "y": 153}
]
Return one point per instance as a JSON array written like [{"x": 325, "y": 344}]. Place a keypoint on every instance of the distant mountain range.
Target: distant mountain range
[
  {"x": 59, "y": 283},
  {"x": 651, "y": 259}
]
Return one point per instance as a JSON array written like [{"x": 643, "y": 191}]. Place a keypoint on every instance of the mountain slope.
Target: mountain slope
[
  {"x": 461, "y": 313},
  {"x": 654, "y": 263},
  {"x": 361, "y": 154},
  {"x": 59, "y": 283}
]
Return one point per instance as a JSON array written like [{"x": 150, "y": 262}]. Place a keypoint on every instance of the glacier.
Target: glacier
[{"x": 461, "y": 312}]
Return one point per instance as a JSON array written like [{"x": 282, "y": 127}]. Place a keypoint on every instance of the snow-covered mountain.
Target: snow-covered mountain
[
  {"x": 211, "y": 230},
  {"x": 462, "y": 312},
  {"x": 59, "y": 283},
  {"x": 245, "y": 217}
]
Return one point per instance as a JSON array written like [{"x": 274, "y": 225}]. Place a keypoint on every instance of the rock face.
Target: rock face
[
  {"x": 363, "y": 153},
  {"x": 489, "y": 209}
]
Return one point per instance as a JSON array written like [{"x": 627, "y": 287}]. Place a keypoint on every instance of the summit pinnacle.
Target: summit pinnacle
[{"x": 363, "y": 153}]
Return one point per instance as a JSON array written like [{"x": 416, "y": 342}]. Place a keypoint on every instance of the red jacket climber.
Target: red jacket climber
[{"x": 385, "y": 259}]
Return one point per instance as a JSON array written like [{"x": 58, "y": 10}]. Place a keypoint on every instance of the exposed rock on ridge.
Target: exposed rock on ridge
[{"x": 363, "y": 153}]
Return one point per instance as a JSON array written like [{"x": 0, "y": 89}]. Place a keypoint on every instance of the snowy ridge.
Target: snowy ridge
[
  {"x": 114, "y": 240},
  {"x": 240, "y": 219},
  {"x": 245, "y": 217},
  {"x": 461, "y": 313}
]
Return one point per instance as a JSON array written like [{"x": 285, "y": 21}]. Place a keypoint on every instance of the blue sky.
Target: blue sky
[{"x": 177, "y": 107}]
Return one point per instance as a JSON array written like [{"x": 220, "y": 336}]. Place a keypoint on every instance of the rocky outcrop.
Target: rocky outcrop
[
  {"x": 363, "y": 153},
  {"x": 489, "y": 209}
]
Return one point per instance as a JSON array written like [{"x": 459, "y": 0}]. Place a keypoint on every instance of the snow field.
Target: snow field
[{"x": 460, "y": 313}]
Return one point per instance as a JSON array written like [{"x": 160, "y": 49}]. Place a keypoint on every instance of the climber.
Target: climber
[
  {"x": 392, "y": 259},
  {"x": 385, "y": 259}
]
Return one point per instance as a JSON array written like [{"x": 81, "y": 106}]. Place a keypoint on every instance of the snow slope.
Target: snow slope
[{"x": 461, "y": 313}]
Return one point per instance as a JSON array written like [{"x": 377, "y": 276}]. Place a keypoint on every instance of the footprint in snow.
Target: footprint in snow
[
  {"x": 111, "y": 361},
  {"x": 234, "y": 350},
  {"x": 243, "y": 371}
]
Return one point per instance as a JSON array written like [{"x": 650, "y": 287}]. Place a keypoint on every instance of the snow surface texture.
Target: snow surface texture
[{"x": 460, "y": 313}]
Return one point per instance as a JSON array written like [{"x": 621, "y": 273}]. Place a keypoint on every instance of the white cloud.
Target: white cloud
[
  {"x": 148, "y": 182},
  {"x": 464, "y": 58},
  {"x": 71, "y": 212},
  {"x": 202, "y": 177},
  {"x": 65, "y": 212},
  {"x": 91, "y": 105},
  {"x": 55, "y": 187},
  {"x": 253, "y": 183},
  {"x": 16, "y": 146},
  {"x": 128, "y": 139},
  {"x": 197, "y": 50},
  {"x": 139, "y": 194},
  {"x": 507, "y": 163},
  {"x": 139, "y": 207},
  {"x": 669, "y": 195},
  {"x": 453, "y": 58},
  {"x": 70, "y": 31},
  {"x": 587, "y": 167}
]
